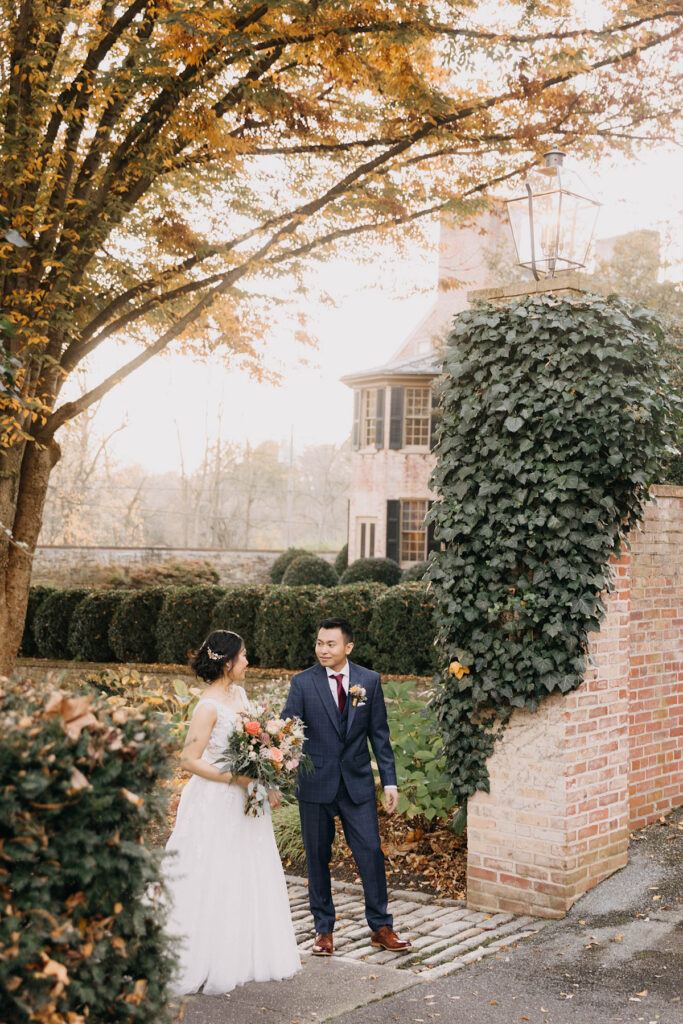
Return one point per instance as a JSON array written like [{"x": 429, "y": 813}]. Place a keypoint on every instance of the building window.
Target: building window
[
  {"x": 366, "y": 544},
  {"x": 413, "y": 537},
  {"x": 418, "y": 410},
  {"x": 368, "y": 417}
]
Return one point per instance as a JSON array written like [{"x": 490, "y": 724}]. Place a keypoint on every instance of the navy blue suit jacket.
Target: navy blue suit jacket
[{"x": 335, "y": 756}]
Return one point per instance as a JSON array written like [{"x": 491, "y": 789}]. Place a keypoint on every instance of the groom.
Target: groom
[{"x": 342, "y": 707}]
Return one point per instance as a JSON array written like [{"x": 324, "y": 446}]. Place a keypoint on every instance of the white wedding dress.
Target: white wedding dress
[{"x": 228, "y": 896}]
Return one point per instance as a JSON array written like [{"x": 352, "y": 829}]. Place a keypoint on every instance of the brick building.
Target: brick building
[{"x": 394, "y": 412}]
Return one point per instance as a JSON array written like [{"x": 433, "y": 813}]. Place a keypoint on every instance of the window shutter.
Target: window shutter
[
  {"x": 432, "y": 543},
  {"x": 435, "y": 420},
  {"x": 356, "y": 420},
  {"x": 396, "y": 419},
  {"x": 393, "y": 524},
  {"x": 379, "y": 418}
]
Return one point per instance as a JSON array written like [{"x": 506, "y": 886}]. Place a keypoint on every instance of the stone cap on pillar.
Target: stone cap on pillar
[{"x": 572, "y": 283}]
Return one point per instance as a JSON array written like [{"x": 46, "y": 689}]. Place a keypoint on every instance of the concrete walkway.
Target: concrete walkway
[{"x": 617, "y": 958}]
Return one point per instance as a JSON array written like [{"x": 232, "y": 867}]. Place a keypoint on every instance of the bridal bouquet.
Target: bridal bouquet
[{"x": 266, "y": 749}]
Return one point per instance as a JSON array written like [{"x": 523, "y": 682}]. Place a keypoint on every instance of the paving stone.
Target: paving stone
[
  {"x": 441, "y": 971},
  {"x": 452, "y": 928},
  {"x": 495, "y": 921}
]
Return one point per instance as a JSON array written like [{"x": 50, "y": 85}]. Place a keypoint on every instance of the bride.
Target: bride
[{"x": 228, "y": 896}]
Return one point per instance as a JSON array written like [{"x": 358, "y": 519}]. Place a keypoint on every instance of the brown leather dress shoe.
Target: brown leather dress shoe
[
  {"x": 323, "y": 945},
  {"x": 385, "y": 938}
]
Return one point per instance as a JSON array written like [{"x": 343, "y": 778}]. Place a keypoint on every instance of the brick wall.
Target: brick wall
[{"x": 569, "y": 782}]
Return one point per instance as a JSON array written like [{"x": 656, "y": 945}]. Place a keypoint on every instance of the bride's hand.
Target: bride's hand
[{"x": 274, "y": 798}]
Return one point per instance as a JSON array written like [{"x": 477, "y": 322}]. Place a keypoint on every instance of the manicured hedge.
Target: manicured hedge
[
  {"x": 52, "y": 621},
  {"x": 133, "y": 628},
  {"x": 286, "y": 627},
  {"x": 281, "y": 563},
  {"x": 309, "y": 569},
  {"x": 37, "y": 594},
  {"x": 402, "y": 630},
  {"x": 382, "y": 570},
  {"x": 89, "y": 626},
  {"x": 81, "y": 784},
  {"x": 184, "y": 621},
  {"x": 342, "y": 560},
  {"x": 356, "y": 603},
  {"x": 237, "y": 610}
]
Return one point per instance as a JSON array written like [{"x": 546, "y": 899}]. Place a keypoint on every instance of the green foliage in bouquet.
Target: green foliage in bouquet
[
  {"x": 133, "y": 628},
  {"x": 381, "y": 570},
  {"x": 184, "y": 621},
  {"x": 89, "y": 627},
  {"x": 79, "y": 939},
  {"x": 286, "y": 627},
  {"x": 354, "y": 602},
  {"x": 282, "y": 562},
  {"x": 557, "y": 413},
  {"x": 37, "y": 594},
  {"x": 309, "y": 569},
  {"x": 52, "y": 620},
  {"x": 402, "y": 630},
  {"x": 423, "y": 784},
  {"x": 237, "y": 611}
]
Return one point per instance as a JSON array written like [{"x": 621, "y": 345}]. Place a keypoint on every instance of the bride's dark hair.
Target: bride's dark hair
[{"x": 220, "y": 647}]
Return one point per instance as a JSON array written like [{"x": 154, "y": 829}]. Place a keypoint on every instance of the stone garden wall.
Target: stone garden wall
[{"x": 569, "y": 782}]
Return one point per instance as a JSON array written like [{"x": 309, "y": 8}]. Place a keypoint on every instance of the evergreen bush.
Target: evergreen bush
[
  {"x": 176, "y": 572},
  {"x": 381, "y": 570},
  {"x": 89, "y": 626},
  {"x": 52, "y": 620},
  {"x": 37, "y": 594},
  {"x": 79, "y": 940},
  {"x": 309, "y": 569},
  {"x": 354, "y": 602},
  {"x": 184, "y": 621},
  {"x": 415, "y": 572},
  {"x": 133, "y": 628},
  {"x": 286, "y": 627},
  {"x": 557, "y": 414},
  {"x": 402, "y": 630},
  {"x": 342, "y": 560},
  {"x": 281, "y": 563},
  {"x": 237, "y": 611}
]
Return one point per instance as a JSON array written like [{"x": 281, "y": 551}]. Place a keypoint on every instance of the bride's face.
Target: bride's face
[{"x": 238, "y": 667}]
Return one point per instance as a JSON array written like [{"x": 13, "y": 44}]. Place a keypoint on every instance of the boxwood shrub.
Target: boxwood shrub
[
  {"x": 356, "y": 603},
  {"x": 184, "y": 621},
  {"x": 237, "y": 610},
  {"x": 52, "y": 621},
  {"x": 342, "y": 560},
  {"x": 89, "y": 626},
  {"x": 281, "y": 563},
  {"x": 80, "y": 784},
  {"x": 133, "y": 628},
  {"x": 309, "y": 569},
  {"x": 382, "y": 570},
  {"x": 402, "y": 630},
  {"x": 286, "y": 626},
  {"x": 37, "y": 594}
]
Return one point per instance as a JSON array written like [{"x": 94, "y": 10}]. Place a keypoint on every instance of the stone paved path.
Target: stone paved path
[{"x": 445, "y": 934}]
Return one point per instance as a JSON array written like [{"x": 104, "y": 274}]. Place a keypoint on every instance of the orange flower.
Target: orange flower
[{"x": 253, "y": 728}]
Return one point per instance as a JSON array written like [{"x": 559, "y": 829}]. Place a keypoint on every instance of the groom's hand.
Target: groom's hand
[{"x": 390, "y": 799}]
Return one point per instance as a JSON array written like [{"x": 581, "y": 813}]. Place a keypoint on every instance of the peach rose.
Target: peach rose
[
  {"x": 292, "y": 764},
  {"x": 275, "y": 754},
  {"x": 252, "y": 728}
]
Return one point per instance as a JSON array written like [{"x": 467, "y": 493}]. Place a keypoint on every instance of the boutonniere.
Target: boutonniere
[{"x": 358, "y": 695}]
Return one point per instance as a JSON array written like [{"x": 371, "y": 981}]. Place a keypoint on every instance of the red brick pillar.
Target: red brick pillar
[{"x": 556, "y": 819}]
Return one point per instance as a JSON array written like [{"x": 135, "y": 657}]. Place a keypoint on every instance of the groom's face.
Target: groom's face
[{"x": 332, "y": 649}]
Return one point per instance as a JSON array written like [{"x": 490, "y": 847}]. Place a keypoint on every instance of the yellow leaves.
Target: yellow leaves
[
  {"x": 132, "y": 798},
  {"x": 139, "y": 992},
  {"x": 458, "y": 670}
]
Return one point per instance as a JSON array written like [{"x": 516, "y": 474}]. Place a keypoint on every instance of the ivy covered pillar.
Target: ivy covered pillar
[{"x": 557, "y": 417}]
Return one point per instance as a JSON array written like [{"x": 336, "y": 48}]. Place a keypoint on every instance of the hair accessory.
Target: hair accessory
[{"x": 213, "y": 655}]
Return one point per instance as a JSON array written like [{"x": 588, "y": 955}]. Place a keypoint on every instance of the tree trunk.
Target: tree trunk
[{"x": 29, "y": 490}]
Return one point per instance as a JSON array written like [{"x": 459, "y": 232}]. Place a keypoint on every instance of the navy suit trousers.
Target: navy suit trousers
[{"x": 361, "y": 829}]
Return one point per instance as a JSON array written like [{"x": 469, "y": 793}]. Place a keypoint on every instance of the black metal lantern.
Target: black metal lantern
[{"x": 553, "y": 221}]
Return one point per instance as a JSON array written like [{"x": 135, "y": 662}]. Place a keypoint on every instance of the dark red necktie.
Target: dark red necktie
[{"x": 341, "y": 696}]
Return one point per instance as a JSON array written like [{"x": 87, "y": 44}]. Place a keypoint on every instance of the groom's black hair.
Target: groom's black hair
[{"x": 346, "y": 627}]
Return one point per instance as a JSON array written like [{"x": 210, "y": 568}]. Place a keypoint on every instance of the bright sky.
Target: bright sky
[{"x": 175, "y": 395}]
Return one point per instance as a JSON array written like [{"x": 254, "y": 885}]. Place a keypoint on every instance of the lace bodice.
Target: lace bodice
[{"x": 225, "y": 723}]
